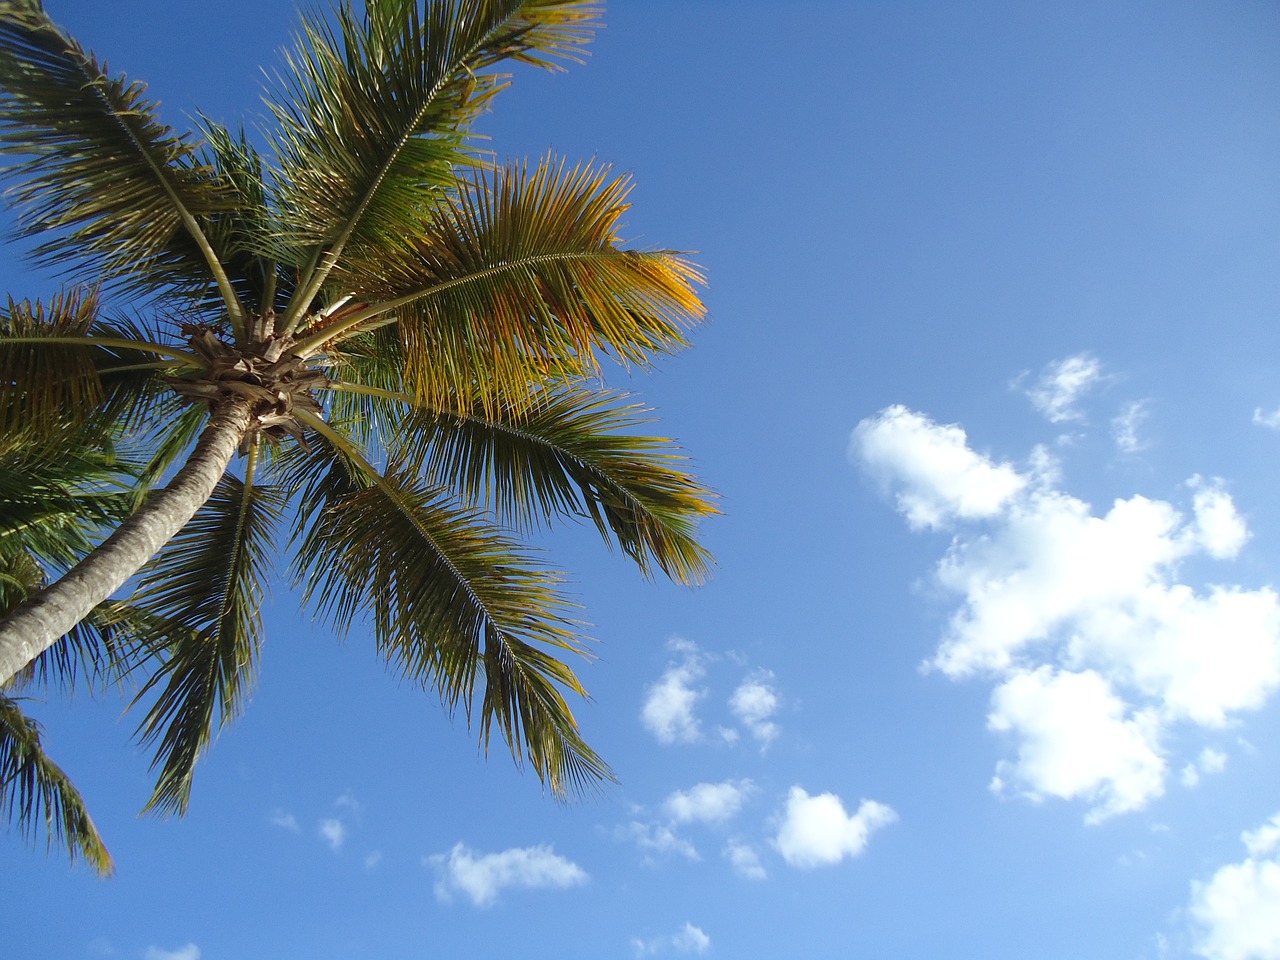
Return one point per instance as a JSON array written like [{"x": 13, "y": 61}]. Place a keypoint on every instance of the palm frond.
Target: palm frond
[
  {"x": 373, "y": 115},
  {"x": 37, "y": 796},
  {"x": 246, "y": 236},
  {"x": 520, "y": 277},
  {"x": 203, "y": 592},
  {"x": 571, "y": 451},
  {"x": 58, "y": 381},
  {"x": 57, "y": 497},
  {"x": 454, "y": 605},
  {"x": 99, "y": 177},
  {"x": 75, "y": 369}
]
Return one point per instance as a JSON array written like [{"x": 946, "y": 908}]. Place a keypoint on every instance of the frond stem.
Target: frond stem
[
  {"x": 309, "y": 345},
  {"x": 117, "y": 343}
]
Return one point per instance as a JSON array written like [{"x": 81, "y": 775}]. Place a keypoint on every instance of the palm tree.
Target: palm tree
[{"x": 373, "y": 343}]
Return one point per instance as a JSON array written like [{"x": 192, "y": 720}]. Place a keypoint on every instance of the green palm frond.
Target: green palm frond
[
  {"x": 454, "y": 605},
  {"x": 572, "y": 451},
  {"x": 246, "y": 237},
  {"x": 202, "y": 593},
  {"x": 57, "y": 497},
  {"x": 60, "y": 381},
  {"x": 103, "y": 182},
  {"x": 104, "y": 648},
  {"x": 373, "y": 115},
  {"x": 36, "y": 795},
  {"x": 77, "y": 371},
  {"x": 519, "y": 277}
]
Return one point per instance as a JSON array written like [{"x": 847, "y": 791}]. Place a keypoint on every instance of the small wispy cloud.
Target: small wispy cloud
[
  {"x": 333, "y": 832},
  {"x": 1210, "y": 761},
  {"x": 1269, "y": 420},
  {"x": 688, "y": 939},
  {"x": 1061, "y": 385},
  {"x": 286, "y": 821},
  {"x": 189, "y": 952},
  {"x": 482, "y": 877},
  {"x": 1126, "y": 424},
  {"x": 658, "y": 839},
  {"x": 745, "y": 860}
]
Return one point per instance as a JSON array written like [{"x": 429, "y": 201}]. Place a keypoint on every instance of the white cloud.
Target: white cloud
[
  {"x": 1061, "y": 386},
  {"x": 754, "y": 703},
  {"x": 189, "y": 952},
  {"x": 286, "y": 821},
  {"x": 372, "y": 859},
  {"x": 688, "y": 939},
  {"x": 1219, "y": 528},
  {"x": 1209, "y": 761},
  {"x": 941, "y": 479},
  {"x": 1237, "y": 911},
  {"x": 1265, "y": 841},
  {"x": 1075, "y": 740},
  {"x": 668, "y": 705},
  {"x": 744, "y": 860},
  {"x": 659, "y": 838},
  {"x": 815, "y": 830},
  {"x": 1269, "y": 420},
  {"x": 482, "y": 877},
  {"x": 1124, "y": 427},
  {"x": 691, "y": 939},
  {"x": 708, "y": 802},
  {"x": 1085, "y": 606},
  {"x": 333, "y": 832}
]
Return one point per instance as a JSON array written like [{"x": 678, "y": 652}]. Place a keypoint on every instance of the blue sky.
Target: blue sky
[{"x": 990, "y": 666}]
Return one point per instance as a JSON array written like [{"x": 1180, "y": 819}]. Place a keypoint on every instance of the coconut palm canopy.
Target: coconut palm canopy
[{"x": 366, "y": 345}]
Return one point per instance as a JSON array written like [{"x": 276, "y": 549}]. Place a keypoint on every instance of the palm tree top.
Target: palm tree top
[{"x": 371, "y": 342}]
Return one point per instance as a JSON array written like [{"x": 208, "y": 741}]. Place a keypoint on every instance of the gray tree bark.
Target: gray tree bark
[{"x": 40, "y": 622}]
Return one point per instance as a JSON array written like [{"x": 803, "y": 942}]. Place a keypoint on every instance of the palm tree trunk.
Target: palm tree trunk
[{"x": 37, "y": 624}]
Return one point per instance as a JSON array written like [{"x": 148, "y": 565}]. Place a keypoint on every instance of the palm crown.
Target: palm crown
[{"x": 373, "y": 343}]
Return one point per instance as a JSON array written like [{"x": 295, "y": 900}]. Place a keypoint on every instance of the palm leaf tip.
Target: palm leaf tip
[{"x": 35, "y": 792}]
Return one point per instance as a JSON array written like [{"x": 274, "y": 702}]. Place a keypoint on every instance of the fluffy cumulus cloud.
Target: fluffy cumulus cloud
[
  {"x": 708, "y": 802},
  {"x": 189, "y": 952},
  {"x": 668, "y": 711},
  {"x": 1079, "y": 617},
  {"x": 1237, "y": 911},
  {"x": 754, "y": 703},
  {"x": 482, "y": 877},
  {"x": 688, "y": 939},
  {"x": 1076, "y": 739},
  {"x": 1060, "y": 387},
  {"x": 815, "y": 831},
  {"x": 938, "y": 478}
]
